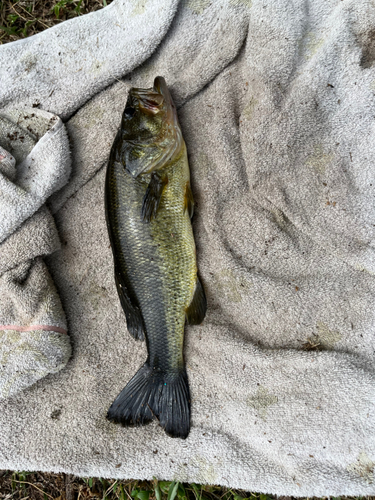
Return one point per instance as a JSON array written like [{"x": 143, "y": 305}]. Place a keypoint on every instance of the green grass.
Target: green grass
[
  {"x": 46, "y": 486},
  {"x": 23, "y": 18}
]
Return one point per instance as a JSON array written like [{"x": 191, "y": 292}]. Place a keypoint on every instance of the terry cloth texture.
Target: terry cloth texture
[
  {"x": 34, "y": 162},
  {"x": 276, "y": 103}
]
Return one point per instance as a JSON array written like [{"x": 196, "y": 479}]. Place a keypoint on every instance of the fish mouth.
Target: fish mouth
[
  {"x": 160, "y": 86},
  {"x": 150, "y": 100}
]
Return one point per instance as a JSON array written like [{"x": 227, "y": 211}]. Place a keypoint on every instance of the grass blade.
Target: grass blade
[
  {"x": 173, "y": 490},
  {"x": 157, "y": 489}
]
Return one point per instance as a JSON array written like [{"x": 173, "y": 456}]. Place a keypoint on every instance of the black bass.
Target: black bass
[{"x": 149, "y": 205}]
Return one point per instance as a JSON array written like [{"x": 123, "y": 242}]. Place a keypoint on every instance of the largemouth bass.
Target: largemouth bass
[{"x": 149, "y": 205}]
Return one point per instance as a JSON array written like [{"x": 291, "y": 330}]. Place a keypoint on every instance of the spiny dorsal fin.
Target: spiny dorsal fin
[
  {"x": 196, "y": 310},
  {"x": 134, "y": 320},
  {"x": 151, "y": 200},
  {"x": 189, "y": 200}
]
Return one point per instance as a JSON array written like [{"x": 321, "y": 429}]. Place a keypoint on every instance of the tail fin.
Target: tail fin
[{"x": 154, "y": 394}]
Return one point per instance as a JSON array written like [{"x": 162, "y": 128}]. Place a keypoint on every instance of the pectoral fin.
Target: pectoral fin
[
  {"x": 189, "y": 200},
  {"x": 196, "y": 310},
  {"x": 134, "y": 320},
  {"x": 152, "y": 198}
]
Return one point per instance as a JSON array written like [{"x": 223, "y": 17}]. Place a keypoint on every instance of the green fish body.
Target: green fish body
[{"x": 148, "y": 209}]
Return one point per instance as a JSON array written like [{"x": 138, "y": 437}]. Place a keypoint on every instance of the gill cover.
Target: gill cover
[{"x": 150, "y": 132}]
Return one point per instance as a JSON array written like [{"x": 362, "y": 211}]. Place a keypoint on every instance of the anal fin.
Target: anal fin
[
  {"x": 134, "y": 320},
  {"x": 196, "y": 310},
  {"x": 152, "y": 198}
]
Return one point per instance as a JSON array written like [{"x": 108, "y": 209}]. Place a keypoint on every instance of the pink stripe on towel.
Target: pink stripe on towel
[{"x": 49, "y": 328}]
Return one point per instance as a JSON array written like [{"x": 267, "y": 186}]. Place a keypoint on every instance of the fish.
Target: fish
[{"x": 149, "y": 205}]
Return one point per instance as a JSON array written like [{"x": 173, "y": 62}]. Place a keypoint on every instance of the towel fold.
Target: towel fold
[
  {"x": 39, "y": 143},
  {"x": 34, "y": 162}
]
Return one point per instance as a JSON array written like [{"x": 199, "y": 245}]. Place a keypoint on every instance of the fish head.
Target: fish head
[{"x": 150, "y": 132}]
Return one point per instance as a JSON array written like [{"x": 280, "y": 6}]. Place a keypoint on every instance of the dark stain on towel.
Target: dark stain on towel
[{"x": 55, "y": 415}]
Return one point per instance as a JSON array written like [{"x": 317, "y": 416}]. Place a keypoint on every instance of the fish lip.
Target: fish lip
[{"x": 160, "y": 86}]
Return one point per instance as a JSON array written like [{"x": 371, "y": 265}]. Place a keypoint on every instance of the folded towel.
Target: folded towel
[
  {"x": 33, "y": 332},
  {"x": 39, "y": 142},
  {"x": 34, "y": 161}
]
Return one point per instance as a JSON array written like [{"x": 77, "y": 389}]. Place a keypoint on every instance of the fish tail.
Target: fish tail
[{"x": 155, "y": 394}]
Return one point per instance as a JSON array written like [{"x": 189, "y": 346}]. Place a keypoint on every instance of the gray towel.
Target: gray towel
[
  {"x": 34, "y": 162},
  {"x": 276, "y": 103},
  {"x": 39, "y": 143}
]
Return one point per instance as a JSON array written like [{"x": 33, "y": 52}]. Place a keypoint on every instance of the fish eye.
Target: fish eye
[{"x": 129, "y": 111}]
